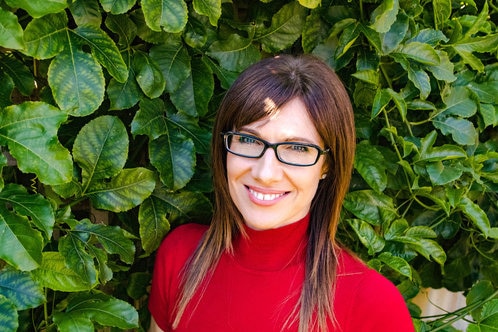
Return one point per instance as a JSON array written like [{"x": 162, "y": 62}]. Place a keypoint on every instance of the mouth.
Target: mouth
[{"x": 266, "y": 197}]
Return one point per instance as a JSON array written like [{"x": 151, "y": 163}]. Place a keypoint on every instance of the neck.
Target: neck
[{"x": 273, "y": 249}]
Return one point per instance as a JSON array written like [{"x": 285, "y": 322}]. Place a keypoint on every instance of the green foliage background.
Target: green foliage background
[{"x": 105, "y": 116}]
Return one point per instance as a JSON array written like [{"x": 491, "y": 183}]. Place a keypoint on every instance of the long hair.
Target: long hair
[{"x": 281, "y": 79}]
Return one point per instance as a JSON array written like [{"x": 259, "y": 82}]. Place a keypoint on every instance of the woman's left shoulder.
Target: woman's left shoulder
[
  {"x": 370, "y": 283},
  {"x": 364, "y": 292}
]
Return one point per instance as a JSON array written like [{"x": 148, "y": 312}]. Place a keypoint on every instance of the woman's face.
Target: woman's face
[{"x": 268, "y": 193}]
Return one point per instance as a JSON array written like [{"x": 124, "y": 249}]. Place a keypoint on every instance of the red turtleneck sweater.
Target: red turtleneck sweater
[{"x": 257, "y": 287}]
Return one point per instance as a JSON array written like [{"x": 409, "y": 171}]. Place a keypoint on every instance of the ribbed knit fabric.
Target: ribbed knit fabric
[{"x": 256, "y": 288}]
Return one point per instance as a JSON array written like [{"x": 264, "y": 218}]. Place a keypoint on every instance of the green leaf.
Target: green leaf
[
  {"x": 20, "y": 245},
  {"x": 479, "y": 292},
  {"x": 20, "y": 288},
  {"x": 384, "y": 16},
  {"x": 430, "y": 249},
  {"x": 124, "y": 95},
  {"x": 124, "y": 27},
  {"x": 117, "y": 7},
  {"x": 54, "y": 274},
  {"x": 164, "y": 208},
  {"x": 150, "y": 119},
  {"x": 77, "y": 259},
  {"x": 85, "y": 308},
  {"x": 474, "y": 212},
  {"x": 442, "y": 13},
  {"x": 421, "y": 81},
  {"x": 184, "y": 206},
  {"x": 35, "y": 206},
  {"x": 370, "y": 206},
  {"x": 101, "y": 149},
  {"x": 46, "y": 37},
  {"x": 19, "y": 74},
  {"x": 8, "y": 315},
  {"x": 442, "y": 173},
  {"x": 235, "y": 53},
  {"x": 77, "y": 82},
  {"x": 428, "y": 153},
  {"x": 483, "y": 44},
  {"x": 11, "y": 33},
  {"x": 285, "y": 29},
  {"x": 193, "y": 96},
  {"x": 154, "y": 119},
  {"x": 124, "y": 191},
  {"x": 138, "y": 285},
  {"x": 368, "y": 76},
  {"x": 148, "y": 75},
  {"x": 189, "y": 127},
  {"x": 86, "y": 12},
  {"x": 444, "y": 70},
  {"x": 396, "y": 263},
  {"x": 488, "y": 321},
  {"x": 30, "y": 131},
  {"x": 154, "y": 223},
  {"x": 174, "y": 61},
  {"x": 462, "y": 131},
  {"x": 104, "y": 50},
  {"x": 458, "y": 102},
  {"x": 392, "y": 38},
  {"x": 209, "y": 8},
  {"x": 370, "y": 163},
  {"x": 3, "y": 162},
  {"x": 381, "y": 100},
  {"x": 39, "y": 8},
  {"x": 197, "y": 32},
  {"x": 367, "y": 236},
  {"x": 171, "y": 15},
  {"x": 225, "y": 77},
  {"x": 173, "y": 156},
  {"x": 111, "y": 238},
  {"x": 347, "y": 39},
  {"x": 6, "y": 87},
  {"x": 311, "y": 4}
]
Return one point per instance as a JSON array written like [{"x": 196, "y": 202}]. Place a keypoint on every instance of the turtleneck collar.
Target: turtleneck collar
[{"x": 272, "y": 249}]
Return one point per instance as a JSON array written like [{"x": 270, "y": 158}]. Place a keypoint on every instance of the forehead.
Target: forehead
[{"x": 291, "y": 121}]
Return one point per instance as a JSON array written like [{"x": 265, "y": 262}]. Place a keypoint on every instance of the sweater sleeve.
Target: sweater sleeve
[{"x": 171, "y": 257}]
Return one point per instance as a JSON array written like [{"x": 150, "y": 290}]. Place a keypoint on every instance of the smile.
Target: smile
[{"x": 265, "y": 197}]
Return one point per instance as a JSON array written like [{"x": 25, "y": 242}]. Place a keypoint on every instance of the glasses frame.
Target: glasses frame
[{"x": 273, "y": 146}]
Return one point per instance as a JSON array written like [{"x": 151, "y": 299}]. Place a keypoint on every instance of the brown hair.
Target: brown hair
[{"x": 281, "y": 79}]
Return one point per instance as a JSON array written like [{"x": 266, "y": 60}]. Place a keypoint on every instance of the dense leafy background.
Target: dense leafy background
[{"x": 106, "y": 109}]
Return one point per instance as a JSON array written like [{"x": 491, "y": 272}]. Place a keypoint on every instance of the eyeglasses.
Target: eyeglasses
[{"x": 290, "y": 153}]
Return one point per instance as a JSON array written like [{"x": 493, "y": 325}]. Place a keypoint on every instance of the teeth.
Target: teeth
[{"x": 265, "y": 197}]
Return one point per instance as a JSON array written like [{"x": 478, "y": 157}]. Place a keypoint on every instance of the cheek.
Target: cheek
[{"x": 234, "y": 166}]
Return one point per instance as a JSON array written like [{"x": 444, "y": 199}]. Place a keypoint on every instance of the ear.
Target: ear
[{"x": 325, "y": 169}]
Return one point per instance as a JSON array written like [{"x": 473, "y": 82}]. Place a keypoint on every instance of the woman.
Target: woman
[{"x": 282, "y": 149}]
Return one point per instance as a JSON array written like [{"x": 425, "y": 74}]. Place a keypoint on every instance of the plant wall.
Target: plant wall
[{"x": 105, "y": 116}]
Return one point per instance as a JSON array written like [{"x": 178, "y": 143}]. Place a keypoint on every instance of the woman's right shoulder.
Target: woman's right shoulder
[{"x": 183, "y": 239}]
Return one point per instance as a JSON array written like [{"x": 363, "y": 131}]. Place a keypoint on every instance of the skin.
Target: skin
[{"x": 268, "y": 193}]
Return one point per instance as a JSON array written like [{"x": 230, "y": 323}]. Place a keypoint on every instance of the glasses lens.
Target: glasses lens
[
  {"x": 298, "y": 154},
  {"x": 244, "y": 145}
]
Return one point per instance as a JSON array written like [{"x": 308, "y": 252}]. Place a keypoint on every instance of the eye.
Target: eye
[
  {"x": 242, "y": 139},
  {"x": 298, "y": 148}
]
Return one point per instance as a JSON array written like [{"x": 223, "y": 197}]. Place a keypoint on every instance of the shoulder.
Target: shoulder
[
  {"x": 364, "y": 291},
  {"x": 182, "y": 241}
]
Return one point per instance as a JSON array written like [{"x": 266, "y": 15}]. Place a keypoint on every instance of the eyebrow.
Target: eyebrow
[{"x": 288, "y": 139}]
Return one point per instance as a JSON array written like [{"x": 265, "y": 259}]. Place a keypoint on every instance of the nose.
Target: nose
[{"x": 267, "y": 168}]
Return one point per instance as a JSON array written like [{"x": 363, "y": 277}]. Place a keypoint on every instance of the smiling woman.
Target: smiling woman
[{"x": 282, "y": 151}]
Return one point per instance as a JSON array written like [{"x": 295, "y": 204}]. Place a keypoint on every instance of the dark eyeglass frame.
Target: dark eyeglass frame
[{"x": 274, "y": 146}]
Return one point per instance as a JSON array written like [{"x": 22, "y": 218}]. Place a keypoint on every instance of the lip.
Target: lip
[{"x": 264, "y": 196}]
